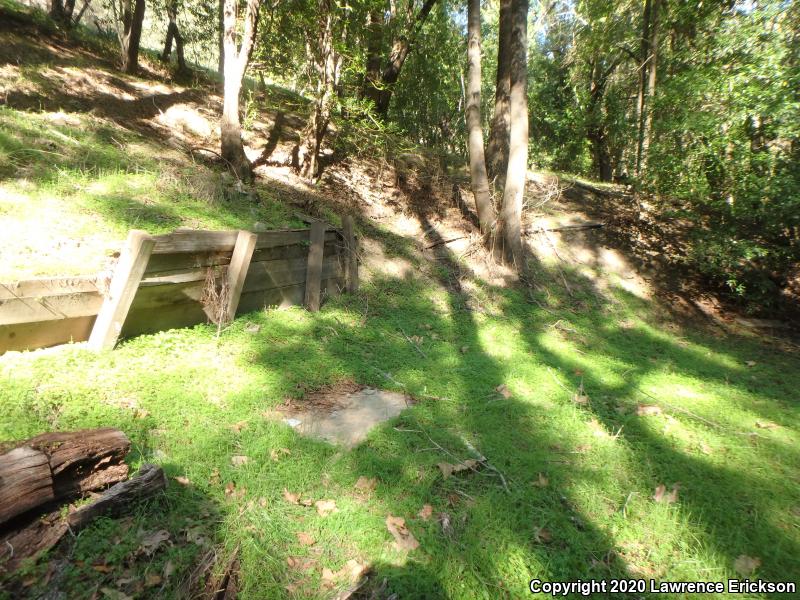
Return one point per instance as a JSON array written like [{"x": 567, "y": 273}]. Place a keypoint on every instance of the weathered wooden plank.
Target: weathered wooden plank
[
  {"x": 281, "y": 273},
  {"x": 283, "y": 297},
  {"x": 332, "y": 246},
  {"x": 127, "y": 275},
  {"x": 237, "y": 271},
  {"x": 186, "y": 241},
  {"x": 50, "y": 286},
  {"x": 314, "y": 272},
  {"x": 25, "y": 481},
  {"x": 170, "y": 316},
  {"x": 46, "y": 308},
  {"x": 350, "y": 254},
  {"x": 43, "y": 334},
  {"x": 163, "y": 264},
  {"x": 149, "y": 481}
]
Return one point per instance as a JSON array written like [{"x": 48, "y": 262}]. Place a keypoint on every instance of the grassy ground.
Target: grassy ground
[
  {"x": 581, "y": 472},
  {"x": 558, "y": 391}
]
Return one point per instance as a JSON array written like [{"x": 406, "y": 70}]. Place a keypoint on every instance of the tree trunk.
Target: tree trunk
[
  {"x": 167, "y": 53},
  {"x": 397, "y": 58},
  {"x": 174, "y": 34},
  {"x": 235, "y": 66},
  {"x": 54, "y": 466},
  {"x": 221, "y": 41},
  {"x": 640, "y": 94},
  {"x": 372, "y": 74},
  {"x": 477, "y": 163},
  {"x": 497, "y": 146},
  {"x": 508, "y": 242},
  {"x": 325, "y": 62},
  {"x": 601, "y": 154},
  {"x": 132, "y": 35},
  {"x": 651, "y": 86}
]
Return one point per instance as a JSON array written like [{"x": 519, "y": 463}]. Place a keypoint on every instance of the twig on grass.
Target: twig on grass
[{"x": 413, "y": 343}]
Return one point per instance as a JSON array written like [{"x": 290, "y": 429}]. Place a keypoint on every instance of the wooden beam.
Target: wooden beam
[
  {"x": 314, "y": 270},
  {"x": 127, "y": 276},
  {"x": 351, "y": 254},
  {"x": 237, "y": 270}
]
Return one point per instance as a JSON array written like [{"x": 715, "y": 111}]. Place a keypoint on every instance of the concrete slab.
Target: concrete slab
[{"x": 350, "y": 417}]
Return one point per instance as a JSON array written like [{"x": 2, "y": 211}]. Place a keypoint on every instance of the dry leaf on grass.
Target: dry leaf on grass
[
  {"x": 766, "y": 425},
  {"x": 425, "y": 512},
  {"x": 326, "y": 507},
  {"x": 276, "y": 453},
  {"x": 183, "y": 480},
  {"x": 291, "y": 497},
  {"x": 746, "y": 565},
  {"x": 644, "y": 410},
  {"x": 305, "y": 539},
  {"x": 152, "y": 580},
  {"x": 153, "y": 541},
  {"x": 102, "y": 568},
  {"x": 237, "y": 427},
  {"x": 750, "y": 363},
  {"x": 503, "y": 390},
  {"x": 661, "y": 494},
  {"x": 580, "y": 397},
  {"x": 214, "y": 479},
  {"x": 542, "y": 481},
  {"x": 239, "y": 460},
  {"x": 300, "y": 563},
  {"x": 448, "y": 469},
  {"x": 366, "y": 484},
  {"x": 542, "y": 535},
  {"x": 403, "y": 538}
]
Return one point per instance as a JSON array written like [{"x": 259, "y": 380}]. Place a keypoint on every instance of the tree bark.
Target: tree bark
[
  {"x": 132, "y": 34},
  {"x": 174, "y": 34},
  {"x": 644, "y": 54},
  {"x": 221, "y": 41},
  {"x": 652, "y": 64},
  {"x": 372, "y": 74},
  {"x": 397, "y": 58},
  {"x": 508, "y": 239},
  {"x": 477, "y": 163},
  {"x": 232, "y": 149},
  {"x": 497, "y": 146},
  {"x": 54, "y": 466},
  {"x": 325, "y": 62}
]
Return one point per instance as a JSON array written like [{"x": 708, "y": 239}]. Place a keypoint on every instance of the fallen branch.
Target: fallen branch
[
  {"x": 443, "y": 242},
  {"x": 571, "y": 227}
]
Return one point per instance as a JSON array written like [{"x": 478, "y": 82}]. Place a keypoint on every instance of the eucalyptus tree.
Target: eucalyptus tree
[{"x": 237, "y": 57}]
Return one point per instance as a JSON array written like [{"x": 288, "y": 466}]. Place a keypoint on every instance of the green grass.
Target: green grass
[
  {"x": 71, "y": 186},
  {"x": 177, "y": 395}
]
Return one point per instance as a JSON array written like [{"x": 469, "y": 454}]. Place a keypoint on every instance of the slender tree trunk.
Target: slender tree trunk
[
  {"x": 397, "y": 58},
  {"x": 372, "y": 75},
  {"x": 235, "y": 67},
  {"x": 651, "y": 85},
  {"x": 81, "y": 12},
  {"x": 508, "y": 242},
  {"x": 477, "y": 164},
  {"x": 221, "y": 41},
  {"x": 325, "y": 61},
  {"x": 497, "y": 147},
  {"x": 167, "y": 53},
  {"x": 644, "y": 56},
  {"x": 132, "y": 34},
  {"x": 174, "y": 34}
]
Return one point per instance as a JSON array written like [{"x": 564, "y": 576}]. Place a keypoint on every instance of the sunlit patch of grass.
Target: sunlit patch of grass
[
  {"x": 178, "y": 394},
  {"x": 71, "y": 187}
]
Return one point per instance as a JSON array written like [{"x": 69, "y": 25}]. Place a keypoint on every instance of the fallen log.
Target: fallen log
[
  {"x": 58, "y": 466},
  {"x": 42, "y": 533},
  {"x": 146, "y": 483}
]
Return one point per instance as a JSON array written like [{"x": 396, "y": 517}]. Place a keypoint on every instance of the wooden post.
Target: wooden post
[
  {"x": 237, "y": 270},
  {"x": 314, "y": 271},
  {"x": 350, "y": 254},
  {"x": 127, "y": 276}
]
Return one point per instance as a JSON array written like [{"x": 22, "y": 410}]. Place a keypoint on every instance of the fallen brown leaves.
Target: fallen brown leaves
[
  {"x": 745, "y": 565},
  {"x": 448, "y": 469},
  {"x": 425, "y": 512},
  {"x": 305, "y": 539},
  {"x": 646, "y": 410},
  {"x": 661, "y": 494},
  {"x": 403, "y": 538},
  {"x": 326, "y": 507}
]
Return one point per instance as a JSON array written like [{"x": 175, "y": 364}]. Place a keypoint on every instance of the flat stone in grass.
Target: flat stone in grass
[{"x": 347, "y": 418}]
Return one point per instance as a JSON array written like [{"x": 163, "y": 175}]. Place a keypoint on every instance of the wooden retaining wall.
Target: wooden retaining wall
[{"x": 179, "y": 280}]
